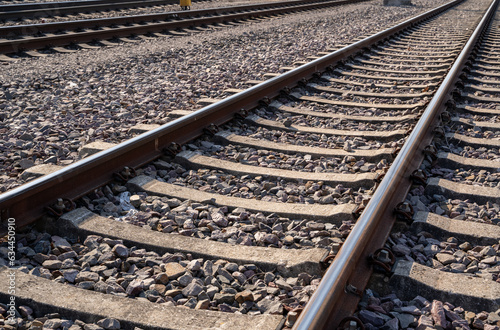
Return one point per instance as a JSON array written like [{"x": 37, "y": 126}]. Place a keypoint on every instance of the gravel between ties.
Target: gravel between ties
[
  {"x": 28, "y": 318},
  {"x": 390, "y": 312},
  {"x": 108, "y": 266},
  {"x": 50, "y": 107}
]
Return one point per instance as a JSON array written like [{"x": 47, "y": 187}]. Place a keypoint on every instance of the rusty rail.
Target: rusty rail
[
  {"x": 336, "y": 297},
  {"x": 50, "y": 9},
  {"x": 60, "y": 4}
]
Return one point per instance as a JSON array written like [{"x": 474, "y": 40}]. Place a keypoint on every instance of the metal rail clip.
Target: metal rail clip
[
  {"x": 63, "y": 205},
  {"x": 430, "y": 153},
  {"x": 451, "y": 105},
  {"x": 351, "y": 323},
  {"x": 173, "y": 149},
  {"x": 325, "y": 262},
  {"x": 383, "y": 260},
  {"x": 285, "y": 91},
  {"x": 211, "y": 129},
  {"x": 419, "y": 177},
  {"x": 349, "y": 288},
  {"x": 125, "y": 174},
  {"x": 242, "y": 114},
  {"x": 360, "y": 208},
  {"x": 404, "y": 212},
  {"x": 445, "y": 117},
  {"x": 439, "y": 132},
  {"x": 265, "y": 101}
]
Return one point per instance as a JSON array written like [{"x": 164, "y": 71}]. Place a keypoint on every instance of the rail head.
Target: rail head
[{"x": 331, "y": 302}]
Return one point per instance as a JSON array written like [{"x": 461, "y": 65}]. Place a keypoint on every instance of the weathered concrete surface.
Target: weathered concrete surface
[
  {"x": 478, "y": 110},
  {"x": 450, "y": 160},
  {"x": 379, "y": 135},
  {"x": 142, "y": 128},
  {"x": 84, "y": 222},
  {"x": 438, "y": 73},
  {"x": 46, "y": 296},
  {"x": 40, "y": 170},
  {"x": 356, "y": 104},
  {"x": 455, "y": 190},
  {"x": 441, "y": 227},
  {"x": 473, "y": 142},
  {"x": 178, "y": 113},
  {"x": 299, "y": 111},
  {"x": 94, "y": 147},
  {"x": 192, "y": 159},
  {"x": 369, "y": 155},
  {"x": 482, "y": 124},
  {"x": 208, "y": 101},
  {"x": 472, "y": 293},
  {"x": 328, "y": 213}
]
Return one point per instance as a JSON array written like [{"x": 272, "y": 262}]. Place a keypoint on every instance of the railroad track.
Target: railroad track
[
  {"x": 218, "y": 216},
  {"x": 22, "y": 11},
  {"x": 456, "y": 203},
  {"x": 18, "y": 38},
  {"x": 465, "y": 122}
]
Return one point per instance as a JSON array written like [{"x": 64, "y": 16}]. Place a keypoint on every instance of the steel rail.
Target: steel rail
[
  {"x": 34, "y": 29},
  {"x": 61, "y": 4},
  {"x": 37, "y": 11},
  {"x": 26, "y": 203},
  {"x": 332, "y": 302},
  {"x": 14, "y": 46}
]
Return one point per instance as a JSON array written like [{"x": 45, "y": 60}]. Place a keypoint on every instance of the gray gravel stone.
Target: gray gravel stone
[
  {"x": 134, "y": 287},
  {"x": 120, "y": 251},
  {"x": 224, "y": 298},
  {"x": 174, "y": 270},
  {"x": 109, "y": 324},
  {"x": 193, "y": 289},
  {"x": 87, "y": 276},
  {"x": 268, "y": 306},
  {"x": 185, "y": 279},
  {"x": 52, "y": 264},
  {"x": 52, "y": 323}
]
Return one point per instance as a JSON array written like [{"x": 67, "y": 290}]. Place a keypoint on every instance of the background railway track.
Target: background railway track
[
  {"x": 19, "y": 12},
  {"x": 180, "y": 195},
  {"x": 53, "y": 35}
]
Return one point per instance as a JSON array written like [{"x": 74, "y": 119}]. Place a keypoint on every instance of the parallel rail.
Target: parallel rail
[
  {"x": 37, "y": 36},
  {"x": 51, "y": 9}
]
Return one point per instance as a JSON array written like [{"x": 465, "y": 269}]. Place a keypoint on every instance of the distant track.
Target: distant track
[
  {"x": 37, "y": 36},
  {"x": 51, "y": 9}
]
